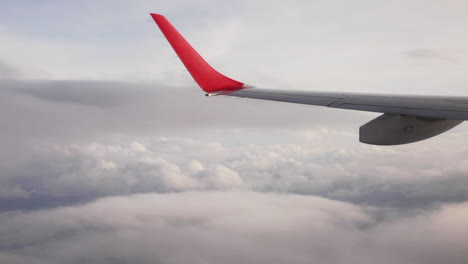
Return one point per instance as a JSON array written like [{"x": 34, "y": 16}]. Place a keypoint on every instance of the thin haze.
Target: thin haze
[{"x": 111, "y": 154}]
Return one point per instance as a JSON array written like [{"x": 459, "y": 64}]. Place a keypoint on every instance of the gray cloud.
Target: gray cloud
[
  {"x": 8, "y": 72},
  {"x": 229, "y": 226},
  {"x": 422, "y": 53},
  {"x": 91, "y": 93},
  {"x": 457, "y": 56},
  {"x": 80, "y": 109}
]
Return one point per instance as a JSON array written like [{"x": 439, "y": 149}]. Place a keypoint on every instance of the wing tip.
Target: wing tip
[
  {"x": 156, "y": 16},
  {"x": 207, "y": 77}
]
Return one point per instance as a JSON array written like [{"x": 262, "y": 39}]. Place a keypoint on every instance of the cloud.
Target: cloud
[
  {"x": 422, "y": 53},
  {"x": 53, "y": 110},
  {"x": 228, "y": 226},
  {"x": 69, "y": 142},
  {"x": 58, "y": 174},
  {"x": 8, "y": 72},
  {"x": 54, "y": 128},
  {"x": 88, "y": 93},
  {"x": 457, "y": 56}
]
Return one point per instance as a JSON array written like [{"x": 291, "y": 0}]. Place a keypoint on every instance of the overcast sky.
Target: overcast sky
[{"x": 111, "y": 154}]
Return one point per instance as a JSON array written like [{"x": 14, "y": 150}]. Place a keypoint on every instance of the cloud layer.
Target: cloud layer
[
  {"x": 257, "y": 170},
  {"x": 397, "y": 178},
  {"x": 229, "y": 227},
  {"x": 69, "y": 142}
]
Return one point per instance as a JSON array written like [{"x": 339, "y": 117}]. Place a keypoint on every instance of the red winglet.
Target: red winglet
[{"x": 207, "y": 78}]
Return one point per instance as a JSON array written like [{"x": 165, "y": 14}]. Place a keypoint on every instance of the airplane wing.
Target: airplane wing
[{"x": 405, "y": 118}]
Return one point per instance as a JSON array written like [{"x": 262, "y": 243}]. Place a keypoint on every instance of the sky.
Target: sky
[{"x": 111, "y": 153}]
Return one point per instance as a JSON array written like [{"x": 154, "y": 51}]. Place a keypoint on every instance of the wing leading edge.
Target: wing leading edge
[{"x": 405, "y": 119}]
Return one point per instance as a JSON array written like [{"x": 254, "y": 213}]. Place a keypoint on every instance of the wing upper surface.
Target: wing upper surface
[{"x": 445, "y": 107}]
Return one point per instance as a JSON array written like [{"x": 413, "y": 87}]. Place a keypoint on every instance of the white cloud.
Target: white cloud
[
  {"x": 220, "y": 177},
  {"x": 228, "y": 226},
  {"x": 399, "y": 177}
]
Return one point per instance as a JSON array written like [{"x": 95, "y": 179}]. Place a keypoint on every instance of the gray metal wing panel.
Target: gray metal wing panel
[
  {"x": 298, "y": 97},
  {"x": 445, "y": 107}
]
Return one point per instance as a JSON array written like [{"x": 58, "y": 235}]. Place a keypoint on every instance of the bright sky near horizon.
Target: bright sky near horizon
[{"x": 111, "y": 154}]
